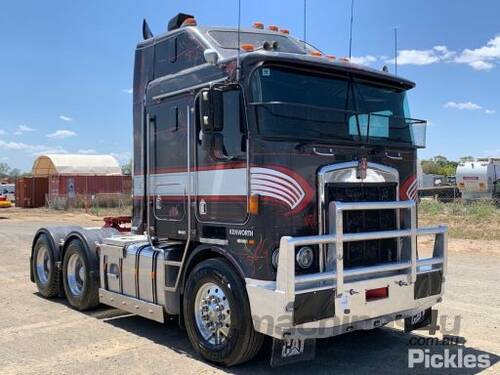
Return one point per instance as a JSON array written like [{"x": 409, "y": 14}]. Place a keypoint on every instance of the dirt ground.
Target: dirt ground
[{"x": 42, "y": 336}]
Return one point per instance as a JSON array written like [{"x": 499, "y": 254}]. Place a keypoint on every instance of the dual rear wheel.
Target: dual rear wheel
[
  {"x": 215, "y": 304},
  {"x": 80, "y": 289}
]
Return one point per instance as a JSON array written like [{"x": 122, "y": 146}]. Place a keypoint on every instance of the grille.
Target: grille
[{"x": 371, "y": 252}]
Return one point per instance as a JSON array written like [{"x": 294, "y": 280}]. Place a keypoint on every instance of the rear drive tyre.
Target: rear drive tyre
[
  {"x": 46, "y": 274},
  {"x": 80, "y": 288},
  {"x": 217, "y": 314}
]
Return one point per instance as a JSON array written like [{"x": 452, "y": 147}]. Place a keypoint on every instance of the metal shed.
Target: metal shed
[
  {"x": 76, "y": 165},
  {"x": 75, "y": 180}
]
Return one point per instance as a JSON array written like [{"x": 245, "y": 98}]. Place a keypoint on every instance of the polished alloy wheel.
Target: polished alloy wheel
[
  {"x": 76, "y": 274},
  {"x": 212, "y": 313},
  {"x": 43, "y": 266}
]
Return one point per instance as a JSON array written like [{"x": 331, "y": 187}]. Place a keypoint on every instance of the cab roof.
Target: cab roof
[{"x": 290, "y": 49}]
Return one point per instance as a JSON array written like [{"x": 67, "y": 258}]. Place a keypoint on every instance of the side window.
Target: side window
[
  {"x": 179, "y": 52},
  {"x": 169, "y": 188},
  {"x": 234, "y": 141}
]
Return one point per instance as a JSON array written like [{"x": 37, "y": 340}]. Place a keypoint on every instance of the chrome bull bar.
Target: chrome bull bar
[{"x": 287, "y": 282}]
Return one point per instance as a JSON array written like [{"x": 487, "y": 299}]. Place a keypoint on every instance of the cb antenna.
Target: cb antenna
[
  {"x": 396, "y": 51},
  {"x": 305, "y": 25},
  {"x": 238, "y": 55},
  {"x": 350, "y": 29}
]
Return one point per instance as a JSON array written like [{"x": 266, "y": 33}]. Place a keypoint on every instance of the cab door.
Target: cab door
[
  {"x": 168, "y": 179},
  {"x": 221, "y": 178}
]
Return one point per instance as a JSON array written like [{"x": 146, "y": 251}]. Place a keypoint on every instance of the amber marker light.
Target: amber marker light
[
  {"x": 273, "y": 28},
  {"x": 189, "y": 22},
  {"x": 253, "y": 204},
  {"x": 247, "y": 47},
  {"x": 258, "y": 25}
]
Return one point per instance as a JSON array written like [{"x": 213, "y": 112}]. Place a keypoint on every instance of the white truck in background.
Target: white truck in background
[
  {"x": 479, "y": 179},
  {"x": 8, "y": 191}
]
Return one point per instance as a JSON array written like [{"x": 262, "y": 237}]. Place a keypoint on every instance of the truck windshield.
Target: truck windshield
[{"x": 302, "y": 105}]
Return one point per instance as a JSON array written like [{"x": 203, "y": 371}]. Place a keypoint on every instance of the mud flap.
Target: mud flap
[
  {"x": 424, "y": 320},
  {"x": 292, "y": 351}
]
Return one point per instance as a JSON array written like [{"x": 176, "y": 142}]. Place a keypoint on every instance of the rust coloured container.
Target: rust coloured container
[{"x": 31, "y": 191}]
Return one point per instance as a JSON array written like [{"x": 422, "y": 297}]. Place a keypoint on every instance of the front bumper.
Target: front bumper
[{"x": 330, "y": 303}]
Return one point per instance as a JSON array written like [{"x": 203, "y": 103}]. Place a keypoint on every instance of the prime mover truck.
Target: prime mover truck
[{"x": 274, "y": 194}]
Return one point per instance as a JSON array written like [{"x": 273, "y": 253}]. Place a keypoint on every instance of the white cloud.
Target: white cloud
[
  {"x": 61, "y": 134},
  {"x": 364, "y": 60},
  {"x": 481, "y": 65},
  {"x": 419, "y": 57},
  {"x": 34, "y": 150},
  {"x": 87, "y": 151},
  {"x": 65, "y": 118},
  {"x": 482, "y": 58},
  {"x": 127, "y": 91},
  {"x": 50, "y": 150},
  {"x": 489, "y": 111},
  {"x": 24, "y": 128},
  {"x": 122, "y": 157},
  {"x": 468, "y": 106},
  {"x": 21, "y": 129}
]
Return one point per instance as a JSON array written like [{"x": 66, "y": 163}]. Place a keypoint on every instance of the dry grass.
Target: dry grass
[{"x": 476, "y": 221}]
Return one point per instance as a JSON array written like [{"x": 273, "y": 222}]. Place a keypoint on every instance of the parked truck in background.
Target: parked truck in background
[
  {"x": 479, "y": 179},
  {"x": 274, "y": 194}
]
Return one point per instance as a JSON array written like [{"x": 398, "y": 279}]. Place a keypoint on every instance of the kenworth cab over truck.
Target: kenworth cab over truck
[{"x": 274, "y": 194}]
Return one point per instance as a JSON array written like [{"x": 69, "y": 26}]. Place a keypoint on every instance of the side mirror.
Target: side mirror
[
  {"x": 211, "y": 111},
  {"x": 211, "y": 56}
]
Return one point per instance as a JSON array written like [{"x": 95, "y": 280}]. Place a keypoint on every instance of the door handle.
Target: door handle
[
  {"x": 323, "y": 151},
  {"x": 394, "y": 157}
]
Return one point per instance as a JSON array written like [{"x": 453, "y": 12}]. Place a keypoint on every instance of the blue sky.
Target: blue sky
[{"x": 66, "y": 66}]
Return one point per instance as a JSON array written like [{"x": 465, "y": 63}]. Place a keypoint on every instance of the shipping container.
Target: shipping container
[{"x": 31, "y": 191}]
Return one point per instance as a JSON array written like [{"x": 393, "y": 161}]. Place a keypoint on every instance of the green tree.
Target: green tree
[
  {"x": 463, "y": 159},
  {"x": 127, "y": 168},
  {"x": 4, "y": 169},
  {"x": 439, "y": 165}
]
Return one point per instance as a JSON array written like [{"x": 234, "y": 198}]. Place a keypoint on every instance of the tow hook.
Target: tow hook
[
  {"x": 401, "y": 283},
  {"x": 352, "y": 292}
]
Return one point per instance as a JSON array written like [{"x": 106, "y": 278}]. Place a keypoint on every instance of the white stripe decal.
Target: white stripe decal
[{"x": 226, "y": 182}]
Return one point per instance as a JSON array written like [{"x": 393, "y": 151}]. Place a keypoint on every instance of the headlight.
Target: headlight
[
  {"x": 274, "y": 257},
  {"x": 305, "y": 257}
]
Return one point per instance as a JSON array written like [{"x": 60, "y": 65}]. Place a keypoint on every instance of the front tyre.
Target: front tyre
[
  {"x": 80, "y": 288},
  {"x": 217, "y": 314}
]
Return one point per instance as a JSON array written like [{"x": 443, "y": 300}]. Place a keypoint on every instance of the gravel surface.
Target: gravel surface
[{"x": 42, "y": 336}]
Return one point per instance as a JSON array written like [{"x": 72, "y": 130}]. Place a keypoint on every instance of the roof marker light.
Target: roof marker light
[
  {"x": 273, "y": 28},
  {"x": 258, "y": 25},
  {"x": 331, "y": 57},
  {"x": 285, "y": 31},
  {"x": 247, "y": 47},
  {"x": 316, "y": 53},
  {"x": 189, "y": 22}
]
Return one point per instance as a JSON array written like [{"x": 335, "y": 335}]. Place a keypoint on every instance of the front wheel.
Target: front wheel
[
  {"x": 217, "y": 314},
  {"x": 80, "y": 288}
]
